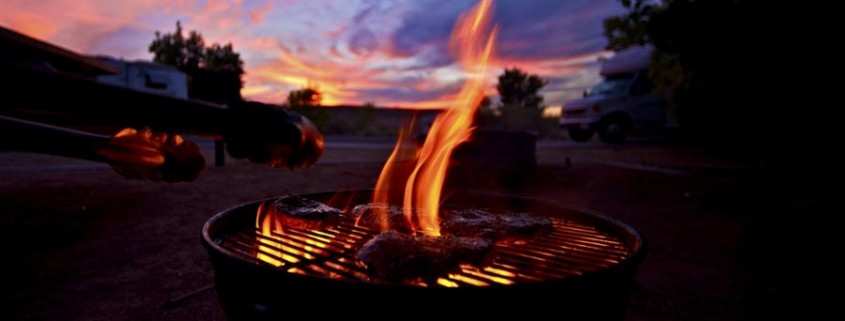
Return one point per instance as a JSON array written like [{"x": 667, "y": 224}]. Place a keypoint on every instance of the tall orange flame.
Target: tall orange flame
[
  {"x": 394, "y": 172},
  {"x": 472, "y": 43}
]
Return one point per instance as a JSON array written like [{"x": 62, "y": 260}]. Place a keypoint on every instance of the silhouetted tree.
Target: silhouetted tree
[
  {"x": 306, "y": 101},
  {"x": 521, "y": 104},
  {"x": 222, "y": 58},
  {"x": 215, "y": 72},
  {"x": 176, "y": 50},
  {"x": 630, "y": 29},
  {"x": 517, "y": 88},
  {"x": 306, "y": 97}
]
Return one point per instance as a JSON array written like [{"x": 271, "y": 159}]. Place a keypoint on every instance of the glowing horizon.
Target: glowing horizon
[{"x": 389, "y": 53}]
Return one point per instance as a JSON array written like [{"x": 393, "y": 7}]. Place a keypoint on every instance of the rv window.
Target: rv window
[
  {"x": 611, "y": 86},
  {"x": 155, "y": 81}
]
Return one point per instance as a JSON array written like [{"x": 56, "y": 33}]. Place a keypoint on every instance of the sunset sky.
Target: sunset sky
[{"x": 388, "y": 52}]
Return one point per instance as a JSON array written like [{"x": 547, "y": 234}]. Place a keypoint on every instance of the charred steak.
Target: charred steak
[
  {"x": 297, "y": 212},
  {"x": 395, "y": 255},
  {"x": 494, "y": 224},
  {"x": 369, "y": 216}
]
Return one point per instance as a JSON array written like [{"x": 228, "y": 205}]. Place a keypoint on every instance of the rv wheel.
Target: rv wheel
[{"x": 614, "y": 129}]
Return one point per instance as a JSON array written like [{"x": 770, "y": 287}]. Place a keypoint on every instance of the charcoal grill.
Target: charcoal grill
[{"x": 584, "y": 267}]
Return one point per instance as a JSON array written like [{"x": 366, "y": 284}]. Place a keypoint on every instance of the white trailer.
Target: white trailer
[
  {"x": 623, "y": 102},
  {"x": 147, "y": 76}
]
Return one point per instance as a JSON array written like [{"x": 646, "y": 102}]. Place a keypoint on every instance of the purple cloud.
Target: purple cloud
[
  {"x": 363, "y": 42},
  {"x": 400, "y": 94},
  {"x": 114, "y": 42},
  {"x": 542, "y": 29},
  {"x": 428, "y": 26}
]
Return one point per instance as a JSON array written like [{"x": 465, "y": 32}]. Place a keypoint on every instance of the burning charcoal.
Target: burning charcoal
[
  {"x": 298, "y": 212},
  {"x": 367, "y": 215},
  {"x": 395, "y": 255},
  {"x": 494, "y": 224}
]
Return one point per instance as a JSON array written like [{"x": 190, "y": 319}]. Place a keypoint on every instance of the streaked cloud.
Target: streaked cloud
[{"x": 387, "y": 52}]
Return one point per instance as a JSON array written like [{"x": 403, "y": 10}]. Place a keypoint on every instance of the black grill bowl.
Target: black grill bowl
[{"x": 250, "y": 290}]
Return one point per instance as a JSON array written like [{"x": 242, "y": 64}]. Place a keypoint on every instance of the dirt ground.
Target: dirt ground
[{"x": 82, "y": 243}]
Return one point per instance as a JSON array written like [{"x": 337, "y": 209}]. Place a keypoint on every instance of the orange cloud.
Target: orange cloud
[
  {"x": 257, "y": 15},
  {"x": 33, "y": 25}
]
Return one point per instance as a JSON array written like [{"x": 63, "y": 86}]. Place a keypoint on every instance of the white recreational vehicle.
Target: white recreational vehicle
[
  {"x": 622, "y": 103},
  {"x": 147, "y": 76}
]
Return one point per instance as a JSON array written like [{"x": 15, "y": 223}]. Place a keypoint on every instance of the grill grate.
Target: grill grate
[{"x": 571, "y": 249}]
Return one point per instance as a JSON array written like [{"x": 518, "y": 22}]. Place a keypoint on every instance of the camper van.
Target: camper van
[
  {"x": 147, "y": 76},
  {"x": 620, "y": 104}
]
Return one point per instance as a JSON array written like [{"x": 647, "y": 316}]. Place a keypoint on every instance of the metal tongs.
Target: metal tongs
[{"x": 141, "y": 134}]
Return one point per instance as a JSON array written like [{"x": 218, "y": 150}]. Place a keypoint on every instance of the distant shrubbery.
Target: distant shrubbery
[{"x": 306, "y": 102}]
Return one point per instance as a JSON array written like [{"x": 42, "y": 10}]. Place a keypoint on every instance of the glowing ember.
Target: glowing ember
[
  {"x": 266, "y": 226},
  {"x": 472, "y": 43}
]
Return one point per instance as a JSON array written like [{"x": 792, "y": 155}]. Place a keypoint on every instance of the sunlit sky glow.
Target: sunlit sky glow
[{"x": 388, "y": 52}]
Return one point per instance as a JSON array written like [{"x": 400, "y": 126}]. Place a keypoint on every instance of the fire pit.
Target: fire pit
[{"x": 584, "y": 267}]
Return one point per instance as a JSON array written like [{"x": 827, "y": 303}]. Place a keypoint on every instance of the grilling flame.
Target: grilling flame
[
  {"x": 267, "y": 225},
  {"x": 394, "y": 172},
  {"x": 472, "y": 43},
  {"x": 420, "y": 188}
]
